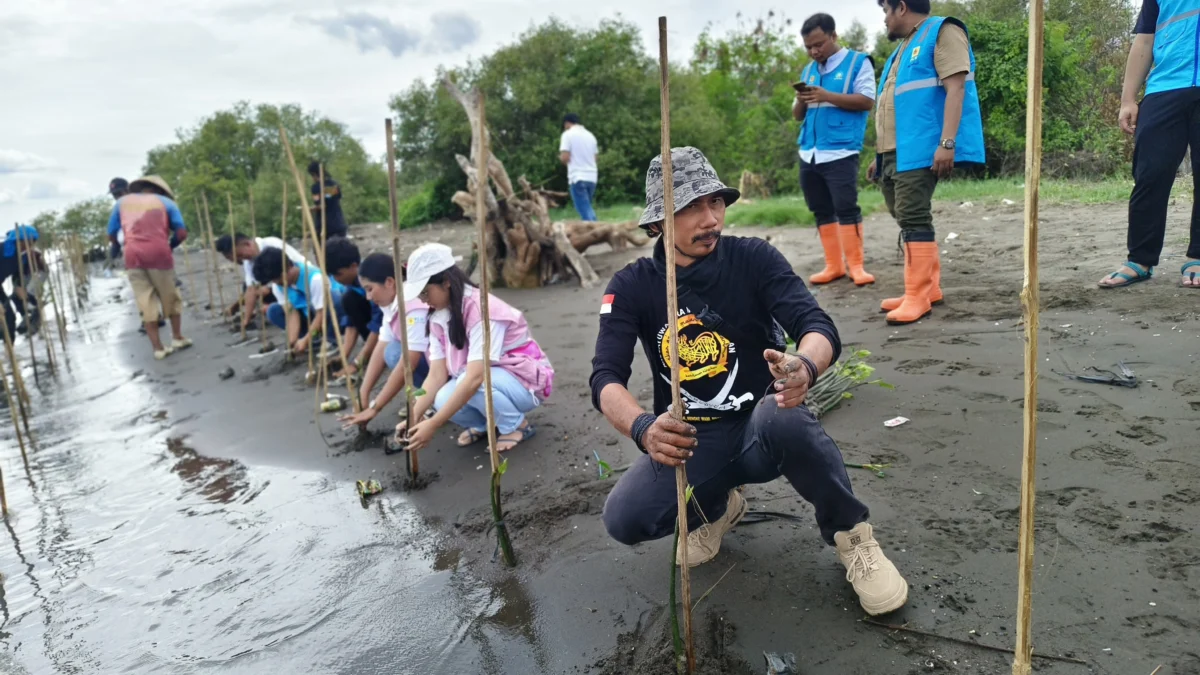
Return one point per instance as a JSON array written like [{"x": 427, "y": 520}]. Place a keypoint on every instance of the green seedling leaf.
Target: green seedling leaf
[
  {"x": 605, "y": 469},
  {"x": 885, "y": 385},
  {"x": 502, "y": 467},
  {"x": 847, "y": 396},
  {"x": 687, "y": 494},
  {"x": 417, "y": 392}
]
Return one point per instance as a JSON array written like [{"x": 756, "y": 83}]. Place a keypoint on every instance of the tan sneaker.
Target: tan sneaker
[
  {"x": 878, "y": 583},
  {"x": 705, "y": 541}
]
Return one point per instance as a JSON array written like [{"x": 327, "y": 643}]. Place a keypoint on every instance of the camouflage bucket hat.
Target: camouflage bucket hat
[{"x": 694, "y": 178}]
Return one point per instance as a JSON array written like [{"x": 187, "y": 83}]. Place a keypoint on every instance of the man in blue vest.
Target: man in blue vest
[
  {"x": 834, "y": 97},
  {"x": 1166, "y": 123},
  {"x": 927, "y": 121}
]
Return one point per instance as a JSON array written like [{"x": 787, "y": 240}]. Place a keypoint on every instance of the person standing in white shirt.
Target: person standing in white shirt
[
  {"x": 833, "y": 98},
  {"x": 577, "y": 149}
]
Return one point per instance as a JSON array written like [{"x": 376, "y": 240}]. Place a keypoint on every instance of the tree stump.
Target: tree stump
[{"x": 525, "y": 249}]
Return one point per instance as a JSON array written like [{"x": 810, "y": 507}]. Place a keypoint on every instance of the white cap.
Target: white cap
[{"x": 423, "y": 263}]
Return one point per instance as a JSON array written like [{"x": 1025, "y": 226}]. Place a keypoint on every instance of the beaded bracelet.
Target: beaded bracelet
[{"x": 639, "y": 428}]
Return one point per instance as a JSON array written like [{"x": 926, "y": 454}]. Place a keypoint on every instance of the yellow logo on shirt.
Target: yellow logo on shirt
[{"x": 701, "y": 354}]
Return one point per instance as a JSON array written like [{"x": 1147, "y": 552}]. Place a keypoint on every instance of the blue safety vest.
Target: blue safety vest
[
  {"x": 920, "y": 101},
  {"x": 298, "y": 294},
  {"x": 1176, "y": 43},
  {"x": 826, "y": 126}
]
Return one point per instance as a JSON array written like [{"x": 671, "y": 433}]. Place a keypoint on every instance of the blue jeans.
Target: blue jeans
[
  {"x": 582, "y": 193},
  {"x": 510, "y": 401},
  {"x": 276, "y": 317},
  {"x": 759, "y": 448},
  {"x": 392, "y": 354}
]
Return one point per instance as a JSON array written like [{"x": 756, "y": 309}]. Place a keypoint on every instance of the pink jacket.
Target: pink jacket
[{"x": 521, "y": 356}]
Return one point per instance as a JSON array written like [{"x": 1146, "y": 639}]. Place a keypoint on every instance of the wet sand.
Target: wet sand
[{"x": 291, "y": 574}]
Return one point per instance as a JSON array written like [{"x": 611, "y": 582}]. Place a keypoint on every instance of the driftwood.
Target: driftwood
[{"x": 525, "y": 248}]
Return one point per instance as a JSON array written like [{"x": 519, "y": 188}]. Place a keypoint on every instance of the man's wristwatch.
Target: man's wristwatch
[{"x": 947, "y": 143}]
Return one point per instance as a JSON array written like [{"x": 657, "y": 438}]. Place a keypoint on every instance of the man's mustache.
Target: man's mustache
[{"x": 705, "y": 237}]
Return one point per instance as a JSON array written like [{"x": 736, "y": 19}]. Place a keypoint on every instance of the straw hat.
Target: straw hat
[{"x": 156, "y": 181}]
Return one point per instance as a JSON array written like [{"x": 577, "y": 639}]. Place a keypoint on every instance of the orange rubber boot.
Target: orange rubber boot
[
  {"x": 852, "y": 244},
  {"x": 935, "y": 292},
  {"x": 919, "y": 257},
  {"x": 835, "y": 268}
]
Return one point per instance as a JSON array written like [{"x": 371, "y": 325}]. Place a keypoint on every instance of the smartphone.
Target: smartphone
[{"x": 799, "y": 86}]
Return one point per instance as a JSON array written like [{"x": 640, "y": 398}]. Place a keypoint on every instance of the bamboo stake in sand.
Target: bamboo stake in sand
[
  {"x": 481, "y": 186},
  {"x": 12, "y": 410},
  {"x": 212, "y": 259},
  {"x": 321, "y": 258},
  {"x": 23, "y": 403},
  {"x": 681, "y": 480},
  {"x": 233, "y": 255},
  {"x": 304, "y": 249},
  {"x": 330, "y": 312},
  {"x": 1030, "y": 304},
  {"x": 414, "y": 464},
  {"x": 207, "y": 271},
  {"x": 27, "y": 250},
  {"x": 283, "y": 301},
  {"x": 262, "y": 308},
  {"x": 59, "y": 320}
]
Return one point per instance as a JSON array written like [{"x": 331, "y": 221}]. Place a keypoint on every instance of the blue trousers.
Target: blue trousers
[
  {"x": 332, "y": 320},
  {"x": 758, "y": 448},
  {"x": 582, "y": 194},
  {"x": 392, "y": 355},
  {"x": 510, "y": 401}
]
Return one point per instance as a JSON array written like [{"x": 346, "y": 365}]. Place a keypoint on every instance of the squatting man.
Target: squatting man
[{"x": 744, "y": 419}]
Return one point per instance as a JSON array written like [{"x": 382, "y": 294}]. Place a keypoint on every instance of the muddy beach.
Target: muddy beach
[{"x": 175, "y": 522}]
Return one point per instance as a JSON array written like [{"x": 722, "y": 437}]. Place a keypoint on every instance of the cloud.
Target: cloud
[
  {"x": 15, "y": 161},
  {"x": 61, "y": 189},
  {"x": 453, "y": 31},
  {"x": 6, "y": 197},
  {"x": 369, "y": 32},
  {"x": 450, "y": 32}
]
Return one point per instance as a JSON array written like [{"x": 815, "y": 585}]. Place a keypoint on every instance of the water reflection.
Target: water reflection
[{"x": 134, "y": 549}]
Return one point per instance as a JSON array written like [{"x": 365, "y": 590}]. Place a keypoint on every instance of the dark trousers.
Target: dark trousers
[
  {"x": 909, "y": 197},
  {"x": 759, "y": 448},
  {"x": 831, "y": 190},
  {"x": 1168, "y": 123}
]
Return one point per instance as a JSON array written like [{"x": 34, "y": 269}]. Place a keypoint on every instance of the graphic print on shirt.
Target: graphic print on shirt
[{"x": 708, "y": 368}]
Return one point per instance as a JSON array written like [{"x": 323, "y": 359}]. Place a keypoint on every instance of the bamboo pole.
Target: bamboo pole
[
  {"x": 324, "y": 239},
  {"x": 10, "y": 349},
  {"x": 59, "y": 320},
  {"x": 207, "y": 273},
  {"x": 262, "y": 308},
  {"x": 187, "y": 266},
  {"x": 1030, "y": 304},
  {"x": 304, "y": 249},
  {"x": 283, "y": 301},
  {"x": 498, "y": 468},
  {"x": 681, "y": 480},
  {"x": 26, "y": 247},
  {"x": 233, "y": 254},
  {"x": 212, "y": 259},
  {"x": 12, "y": 410},
  {"x": 308, "y": 223},
  {"x": 414, "y": 464}
]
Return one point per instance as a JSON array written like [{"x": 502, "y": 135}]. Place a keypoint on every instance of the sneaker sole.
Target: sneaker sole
[
  {"x": 890, "y": 605},
  {"x": 737, "y": 518}
]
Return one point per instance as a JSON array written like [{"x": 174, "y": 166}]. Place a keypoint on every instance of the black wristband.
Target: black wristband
[
  {"x": 639, "y": 428},
  {"x": 810, "y": 366}
]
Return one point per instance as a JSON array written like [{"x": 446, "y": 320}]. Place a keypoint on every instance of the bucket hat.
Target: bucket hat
[
  {"x": 694, "y": 177},
  {"x": 425, "y": 262}
]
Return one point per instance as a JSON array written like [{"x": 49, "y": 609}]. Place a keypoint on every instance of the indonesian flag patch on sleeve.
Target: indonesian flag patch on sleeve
[{"x": 606, "y": 304}]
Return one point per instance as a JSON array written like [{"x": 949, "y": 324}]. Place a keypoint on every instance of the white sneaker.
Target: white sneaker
[
  {"x": 704, "y": 542},
  {"x": 876, "y": 580},
  {"x": 163, "y": 353}
]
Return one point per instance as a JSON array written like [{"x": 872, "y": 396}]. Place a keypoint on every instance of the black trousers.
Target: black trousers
[
  {"x": 831, "y": 190},
  {"x": 1168, "y": 123}
]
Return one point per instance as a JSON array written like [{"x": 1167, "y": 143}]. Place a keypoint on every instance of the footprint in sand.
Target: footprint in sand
[
  {"x": 915, "y": 366},
  {"x": 1104, "y": 452},
  {"x": 977, "y": 396},
  {"x": 1187, "y": 387},
  {"x": 1174, "y": 563},
  {"x": 1159, "y": 531},
  {"x": 1143, "y": 433}
]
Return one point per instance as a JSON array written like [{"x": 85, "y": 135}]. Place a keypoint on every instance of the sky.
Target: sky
[{"x": 92, "y": 85}]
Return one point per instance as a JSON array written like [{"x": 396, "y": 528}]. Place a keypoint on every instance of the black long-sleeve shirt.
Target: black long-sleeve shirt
[{"x": 749, "y": 284}]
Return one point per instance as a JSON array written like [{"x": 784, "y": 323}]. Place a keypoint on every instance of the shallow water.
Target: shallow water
[{"x": 131, "y": 548}]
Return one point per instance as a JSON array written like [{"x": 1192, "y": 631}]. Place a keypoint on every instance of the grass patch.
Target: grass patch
[{"x": 791, "y": 211}]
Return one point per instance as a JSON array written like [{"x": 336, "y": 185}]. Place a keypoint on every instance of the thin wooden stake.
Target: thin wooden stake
[
  {"x": 187, "y": 266},
  {"x": 308, "y": 223},
  {"x": 681, "y": 480},
  {"x": 25, "y": 285},
  {"x": 283, "y": 301},
  {"x": 414, "y": 465},
  {"x": 59, "y": 319},
  {"x": 1022, "y": 664},
  {"x": 481, "y": 187},
  {"x": 212, "y": 259},
  {"x": 304, "y": 248},
  {"x": 25, "y": 305},
  {"x": 12, "y": 410},
  {"x": 23, "y": 403},
  {"x": 207, "y": 272},
  {"x": 233, "y": 254},
  {"x": 336, "y": 323},
  {"x": 262, "y": 308}
]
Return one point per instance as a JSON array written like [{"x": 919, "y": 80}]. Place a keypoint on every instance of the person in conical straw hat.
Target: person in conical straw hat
[
  {"x": 744, "y": 418},
  {"x": 150, "y": 219}
]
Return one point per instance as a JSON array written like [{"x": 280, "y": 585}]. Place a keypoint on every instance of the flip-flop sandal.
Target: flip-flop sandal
[
  {"x": 527, "y": 432},
  {"x": 1141, "y": 273},
  {"x": 473, "y": 437},
  {"x": 1190, "y": 275}
]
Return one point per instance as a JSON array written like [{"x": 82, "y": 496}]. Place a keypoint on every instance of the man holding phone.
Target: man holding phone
[{"x": 833, "y": 98}]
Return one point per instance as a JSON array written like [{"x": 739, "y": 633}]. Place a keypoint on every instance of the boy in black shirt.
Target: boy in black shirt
[
  {"x": 737, "y": 298},
  {"x": 335, "y": 222},
  {"x": 360, "y": 318}
]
